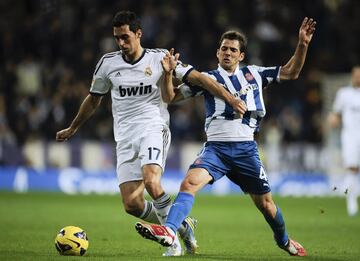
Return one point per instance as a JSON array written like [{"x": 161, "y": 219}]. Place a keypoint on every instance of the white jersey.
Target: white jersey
[
  {"x": 222, "y": 122},
  {"x": 135, "y": 90},
  {"x": 347, "y": 103}
]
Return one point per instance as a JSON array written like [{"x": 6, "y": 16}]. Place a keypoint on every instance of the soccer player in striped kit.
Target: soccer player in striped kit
[
  {"x": 134, "y": 76},
  {"x": 231, "y": 150},
  {"x": 346, "y": 112}
]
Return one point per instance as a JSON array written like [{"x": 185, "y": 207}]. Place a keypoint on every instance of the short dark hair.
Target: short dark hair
[
  {"x": 127, "y": 18},
  {"x": 235, "y": 35}
]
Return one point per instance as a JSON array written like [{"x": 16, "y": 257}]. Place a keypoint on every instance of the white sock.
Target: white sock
[
  {"x": 162, "y": 206},
  {"x": 149, "y": 213},
  {"x": 351, "y": 183}
]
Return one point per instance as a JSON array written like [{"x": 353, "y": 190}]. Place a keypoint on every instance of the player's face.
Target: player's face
[
  {"x": 128, "y": 41},
  {"x": 356, "y": 77},
  {"x": 229, "y": 54}
]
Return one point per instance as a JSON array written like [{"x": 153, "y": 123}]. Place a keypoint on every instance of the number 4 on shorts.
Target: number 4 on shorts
[{"x": 263, "y": 174}]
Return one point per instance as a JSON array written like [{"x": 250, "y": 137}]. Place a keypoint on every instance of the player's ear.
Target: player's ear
[
  {"x": 138, "y": 33},
  {"x": 242, "y": 56},
  {"x": 217, "y": 53}
]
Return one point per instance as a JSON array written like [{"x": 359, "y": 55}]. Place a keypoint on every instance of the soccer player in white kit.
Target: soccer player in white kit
[
  {"x": 134, "y": 76},
  {"x": 346, "y": 112}
]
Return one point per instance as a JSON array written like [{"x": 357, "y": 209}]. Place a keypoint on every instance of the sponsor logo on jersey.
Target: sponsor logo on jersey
[
  {"x": 148, "y": 71},
  {"x": 118, "y": 74},
  {"x": 247, "y": 88},
  {"x": 135, "y": 90}
]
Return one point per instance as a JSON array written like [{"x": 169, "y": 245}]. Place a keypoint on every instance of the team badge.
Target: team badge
[
  {"x": 249, "y": 77},
  {"x": 198, "y": 161},
  {"x": 148, "y": 71}
]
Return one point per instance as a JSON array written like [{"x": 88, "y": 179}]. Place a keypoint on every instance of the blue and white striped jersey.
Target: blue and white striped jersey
[{"x": 247, "y": 83}]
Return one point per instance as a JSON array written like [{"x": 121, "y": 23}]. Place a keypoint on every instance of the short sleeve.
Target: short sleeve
[
  {"x": 100, "y": 83},
  {"x": 268, "y": 74},
  {"x": 182, "y": 70}
]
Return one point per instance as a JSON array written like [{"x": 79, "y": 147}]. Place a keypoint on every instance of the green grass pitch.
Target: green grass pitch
[{"x": 229, "y": 228}]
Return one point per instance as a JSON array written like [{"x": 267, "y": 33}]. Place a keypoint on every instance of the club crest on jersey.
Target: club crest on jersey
[
  {"x": 148, "y": 71},
  {"x": 198, "y": 161},
  {"x": 249, "y": 77}
]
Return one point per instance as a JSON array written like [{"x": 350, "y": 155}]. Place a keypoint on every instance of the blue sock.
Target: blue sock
[
  {"x": 277, "y": 225},
  {"x": 179, "y": 210}
]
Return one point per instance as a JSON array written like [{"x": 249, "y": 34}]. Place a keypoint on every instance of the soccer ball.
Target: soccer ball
[{"x": 71, "y": 241}]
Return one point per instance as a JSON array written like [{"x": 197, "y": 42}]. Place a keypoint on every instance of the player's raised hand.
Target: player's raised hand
[
  {"x": 64, "y": 134},
  {"x": 307, "y": 30},
  {"x": 170, "y": 61}
]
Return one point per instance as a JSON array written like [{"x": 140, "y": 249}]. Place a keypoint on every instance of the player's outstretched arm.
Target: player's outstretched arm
[
  {"x": 87, "y": 108},
  {"x": 292, "y": 69},
  {"x": 216, "y": 89},
  {"x": 168, "y": 63}
]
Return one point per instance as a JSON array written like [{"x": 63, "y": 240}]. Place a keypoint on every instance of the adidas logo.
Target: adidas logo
[{"x": 118, "y": 74}]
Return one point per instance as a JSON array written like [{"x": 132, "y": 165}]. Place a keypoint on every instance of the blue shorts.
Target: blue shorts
[{"x": 239, "y": 161}]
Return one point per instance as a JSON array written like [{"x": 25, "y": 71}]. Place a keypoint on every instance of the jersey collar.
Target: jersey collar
[
  {"x": 136, "y": 61},
  {"x": 226, "y": 73}
]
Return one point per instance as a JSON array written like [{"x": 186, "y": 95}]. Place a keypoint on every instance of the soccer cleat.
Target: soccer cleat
[
  {"x": 294, "y": 248},
  {"x": 188, "y": 235},
  {"x": 161, "y": 234},
  {"x": 175, "y": 249}
]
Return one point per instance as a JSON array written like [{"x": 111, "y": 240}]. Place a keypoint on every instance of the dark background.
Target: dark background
[{"x": 49, "y": 49}]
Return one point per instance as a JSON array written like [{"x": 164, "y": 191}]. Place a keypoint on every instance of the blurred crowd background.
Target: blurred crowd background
[{"x": 49, "y": 49}]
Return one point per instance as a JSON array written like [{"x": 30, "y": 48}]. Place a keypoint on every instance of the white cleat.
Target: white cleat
[
  {"x": 175, "y": 249},
  {"x": 188, "y": 236}
]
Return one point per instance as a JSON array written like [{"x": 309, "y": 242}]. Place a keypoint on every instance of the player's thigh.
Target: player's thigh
[
  {"x": 211, "y": 158},
  {"x": 350, "y": 149},
  {"x": 154, "y": 145},
  {"x": 151, "y": 173},
  {"x": 128, "y": 162},
  {"x": 248, "y": 171}
]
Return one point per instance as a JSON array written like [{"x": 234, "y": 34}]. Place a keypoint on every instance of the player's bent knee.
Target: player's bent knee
[
  {"x": 133, "y": 208},
  {"x": 191, "y": 186}
]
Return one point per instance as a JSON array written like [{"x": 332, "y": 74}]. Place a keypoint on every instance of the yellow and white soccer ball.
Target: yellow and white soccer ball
[{"x": 71, "y": 241}]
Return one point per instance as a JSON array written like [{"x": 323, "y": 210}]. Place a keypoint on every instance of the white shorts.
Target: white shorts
[
  {"x": 350, "y": 148},
  {"x": 150, "y": 147}
]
